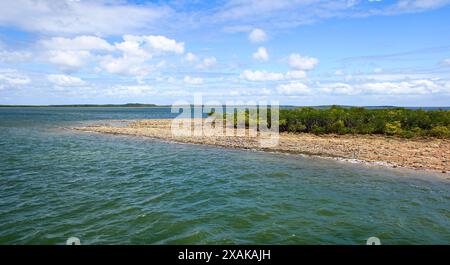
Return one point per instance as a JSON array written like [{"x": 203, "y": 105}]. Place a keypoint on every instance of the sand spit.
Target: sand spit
[{"x": 427, "y": 154}]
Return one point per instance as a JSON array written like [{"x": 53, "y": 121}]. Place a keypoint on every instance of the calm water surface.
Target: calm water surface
[{"x": 56, "y": 183}]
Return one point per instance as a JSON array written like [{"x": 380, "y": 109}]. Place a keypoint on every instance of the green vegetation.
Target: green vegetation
[{"x": 399, "y": 122}]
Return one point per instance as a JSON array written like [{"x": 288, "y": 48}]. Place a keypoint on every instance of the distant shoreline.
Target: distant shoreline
[
  {"x": 139, "y": 105},
  {"x": 423, "y": 154},
  {"x": 88, "y": 106}
]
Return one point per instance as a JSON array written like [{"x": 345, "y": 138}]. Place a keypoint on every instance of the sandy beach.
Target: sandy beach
[{"x": 424, "y": 153}]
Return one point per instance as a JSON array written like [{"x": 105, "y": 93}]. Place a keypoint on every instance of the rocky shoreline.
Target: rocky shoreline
[{"x": 425, "y": 154}]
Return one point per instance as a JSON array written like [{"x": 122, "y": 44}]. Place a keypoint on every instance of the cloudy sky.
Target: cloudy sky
[{"x": 301, "y": 52}]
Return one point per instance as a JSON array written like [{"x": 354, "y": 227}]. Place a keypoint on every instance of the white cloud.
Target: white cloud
[
  {"x": 257, "y": 35},
  {"x": 207, "y": 62},
  {"x": 148, "y": 46},
  {"x": 129, "y": 57},
  {"x": 14, "y": 56},
  {"x": 339, "y": 88},
  {"x": 290, "y": 13},
  {"x": 133, "y": 48},
  {"x": 77, "y": 43},
  {"x": 71, "y": 54},
  {"x": 393, "y": 76},
  {"x": 293, "y": 88},
  {"x": 193, "y": 80},
  {"x": 261, "y": 54},
  {"x": 118, "y": 17},
  {"x": 65, "y": 80},
  {"x": 259, "y": 76},
  {"x": 136, "y": 51},
  {"x": 69, "y": 60},
  {"x": 300, "y": 62},
  {"x": 297, "y": 74},
  {"x": 12, "y": 78},
  {"x": 253, "y": 9},
  {"x": 126, "y": 65},
  {"x": 190, "y": 57},
  {"x": 80, "y": 17},
  {"x": 161, "y": 43},
  {"x": 407, "y": 6},
  {"x": 404, "y": 87}
]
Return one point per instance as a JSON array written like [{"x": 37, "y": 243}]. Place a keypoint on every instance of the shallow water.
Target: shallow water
[{"x": 56, "y": 183}]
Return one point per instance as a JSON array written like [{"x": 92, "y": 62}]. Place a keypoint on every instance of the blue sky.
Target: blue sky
[{"x": 300, "y": 52}]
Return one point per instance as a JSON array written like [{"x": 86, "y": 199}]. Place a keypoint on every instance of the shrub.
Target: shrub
[
  {"x": 317, "y": 129},
  {"x": 337, "y": 127},
  {"x": 297, "y": 127},
  {"x": 408, "y": 134},
  {"x": 440, "y": 131},
  {"x": 393, "y": 128}
]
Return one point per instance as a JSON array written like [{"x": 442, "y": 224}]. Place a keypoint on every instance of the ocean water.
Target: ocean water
[{"x": 56, "y": 183}]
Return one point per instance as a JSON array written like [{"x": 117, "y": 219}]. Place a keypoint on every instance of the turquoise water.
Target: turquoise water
[{"x": 56, "y": 183}]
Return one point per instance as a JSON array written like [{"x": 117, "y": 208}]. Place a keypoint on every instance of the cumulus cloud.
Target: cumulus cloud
[
  {"x": 65, "y": 80},
  {"x": 128, "y": 57},
  {"x": 300, "y": 62},
  {"x": 261, "y": 54},
  {"x": 136, "y": 51},
  {"x": 69, "y": 60},
  {"x": 156, "y": 43},
  {"x": 293, "y": 88},
  {"x": 71, "y": 54},
  {"x": 257, "y": 35},
  {"x": 148, "y": 46},
  {"x": 164, "y": 44},
  {"x": 193, "y": 80},
  {"x": 125, "y": 65}
]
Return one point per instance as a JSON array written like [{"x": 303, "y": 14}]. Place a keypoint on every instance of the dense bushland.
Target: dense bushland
[
  {"x": 338, "y": 120},
  {"x": 398, "y": 121}
]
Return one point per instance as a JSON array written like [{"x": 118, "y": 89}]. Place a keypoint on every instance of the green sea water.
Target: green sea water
[{"x": 56, "y": 183}]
